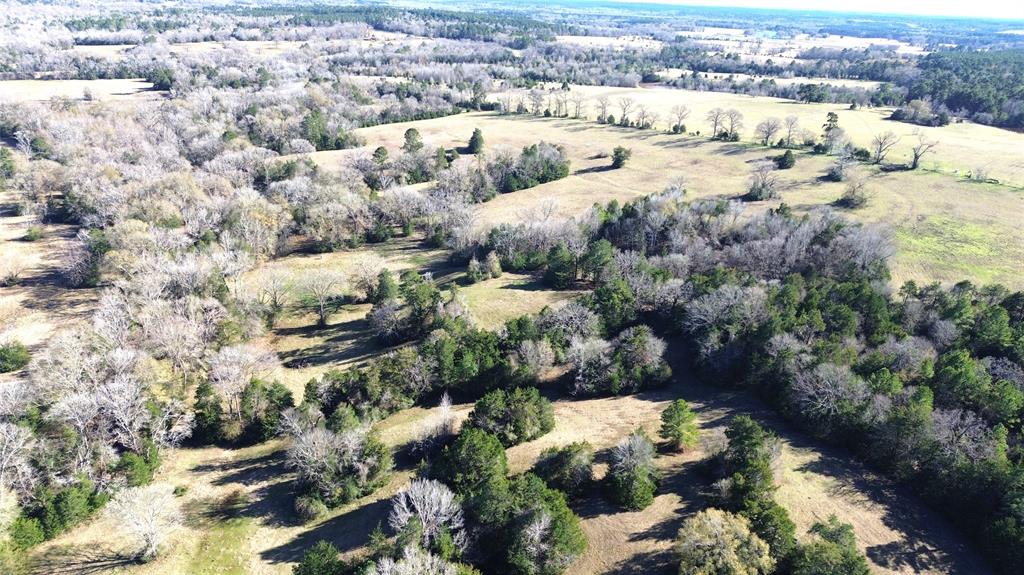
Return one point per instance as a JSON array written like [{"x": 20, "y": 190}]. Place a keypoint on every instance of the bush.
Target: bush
[
  {"x": 13, "y": 356},
  {"x": 620, "y": 156},
  {"x": 786, "y": 160},
  {"x": 568, "y": 468},
  {"x": 516, "y": 417},
  {"x": 323, "y": 559},
  {"x": 34, "y": 233},
  {"x": 679, "y": 426},
  {"x": 716, "y": 541},
  {"x": 26, "y": 532},
  {"x": 476, "y": 142},
  {"x": 632, "y": 478},
  {"x": 309, "y": 508},
  {"x": 835, "y": 552},
  {"x": 262, "y": 404}
]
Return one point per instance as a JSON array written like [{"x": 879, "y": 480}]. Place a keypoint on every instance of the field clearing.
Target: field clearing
[
  {"x": 728, "y": 40},
  {"x": 42, "y": 90},
  {"x": 673, "y": 73},
  {"x": 38, "y": 305},
  {"x": 614, "y": 42},
  {"x": 946, "y": 229}
]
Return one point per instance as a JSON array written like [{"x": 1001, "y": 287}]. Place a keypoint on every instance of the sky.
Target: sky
[{"x": 977, "y": 8}]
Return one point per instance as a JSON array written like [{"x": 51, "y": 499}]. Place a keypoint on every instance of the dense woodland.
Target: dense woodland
[{"x": 178, "y": 200}]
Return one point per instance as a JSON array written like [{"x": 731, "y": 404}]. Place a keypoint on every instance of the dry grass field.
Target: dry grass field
[
  {"x": 37, "y": 305},
  {"x": 946, "y": 228},
  {"x": 41, "y": 90}
]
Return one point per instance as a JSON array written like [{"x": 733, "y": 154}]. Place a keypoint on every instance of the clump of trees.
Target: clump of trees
[
  {"x": 525, "y": 526},
  {"x": 513, "y": 417}
]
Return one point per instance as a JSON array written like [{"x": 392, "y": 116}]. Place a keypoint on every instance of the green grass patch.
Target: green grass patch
[
  {"x": 952, "y": 247},
  {"x": 222, "y": 548}
]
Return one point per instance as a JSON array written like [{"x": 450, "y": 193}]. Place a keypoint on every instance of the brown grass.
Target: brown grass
[{"x": 947, "y": 229}]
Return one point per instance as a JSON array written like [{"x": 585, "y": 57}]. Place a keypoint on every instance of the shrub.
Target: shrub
[
  {"x": 13, "y": 356},
  {"x": 516, "y": 417},
  {"x": 786, "y": 160},
  {"x": 632, "y": 478},
  {"x": 26, "y": 532},
  {"x": 568, "y": 468},
  {"x": 476, "y": 142},
  {"x": 835, "y": 552},
  {"x": 310, "y": 507},
  {"x": 32, "y": 234},
  {"x": 679, "y": 426},
  {"x": 620, "y": 156},
  {"x": 323, "y": 559},
  {"x": 716, "y": 541}
]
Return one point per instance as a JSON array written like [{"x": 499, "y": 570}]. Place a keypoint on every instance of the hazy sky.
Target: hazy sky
[{"x": 980, "y": 8}]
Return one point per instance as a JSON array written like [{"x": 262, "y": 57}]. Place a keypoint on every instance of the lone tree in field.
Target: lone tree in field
[
  {"x": 632, "y": 477},
  {"x": 679, "y": 426},
  {"x": 380, "y": 155},
  {"x": 625, "y": 107},
  {"x": 620, "y": 156},
  {"x": 680, "y": 113},
  {"x": 319, "y": 288},
  {"x": 792, "y": 126},
  {"x": 881, "y": 145},
  {"x": 763, "y": 183},
  {"x": 767, "y": 129},
  {"x": 579, "y": 104},
  {"x": 413, "y": 141},
  {"x": 922, "y": 147},
  {"x": 716, "y": 542},
  {"x": 148, "y": 515},
  {"x": 476, "y": 142},
  {"x": 602, "y": 108}
]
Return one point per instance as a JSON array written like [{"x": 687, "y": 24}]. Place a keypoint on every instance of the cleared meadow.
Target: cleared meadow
[
  {"x": 946, "y": 228},
  {"x": 41, "y": 90}
]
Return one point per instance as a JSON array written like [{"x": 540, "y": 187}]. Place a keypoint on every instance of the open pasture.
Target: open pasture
[
  {"x": 42, "y": 90},
  {"x": 945, "y": 228}
]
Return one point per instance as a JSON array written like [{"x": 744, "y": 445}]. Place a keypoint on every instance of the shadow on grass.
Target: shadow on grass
[
  {"x": 79, "y": 560},
  {"x": 272, "y": 499},
  {"x": 348, "y": 532}
]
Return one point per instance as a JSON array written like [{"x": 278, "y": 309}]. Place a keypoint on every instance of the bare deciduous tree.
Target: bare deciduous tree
[
  {"x": 148, "y": 515},
  {"x": 602, "y": 107},
  {"x": 625, "y": 107},
  {"x": 321, "y": 286},
  {"x": 921, "y": 147},
  {"x": 767, "y": 129},
  {"x": 234, "y": 366},
  {"x": 881, "y": 144},
  {"x": 433, "y": 506},
  {"x": 680, "y": 113},
  {"x": 792, "y": 125},
  {"x": 715, "y": 116},
  {"x": 579, "y": 104}
]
